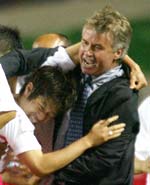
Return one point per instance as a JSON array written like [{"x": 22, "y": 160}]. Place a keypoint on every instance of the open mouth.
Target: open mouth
[{"x": 88, "y": 63}]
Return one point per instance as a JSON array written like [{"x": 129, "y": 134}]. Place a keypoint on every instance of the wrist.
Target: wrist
[
  {"x": 135, "y": 67},
  {"x": 88, "y": 141}
]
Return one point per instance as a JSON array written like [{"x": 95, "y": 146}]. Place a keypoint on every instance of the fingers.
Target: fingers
[
  {"x": 138, "y": 82},
  {"x": 137, "y": 85},
  {"x": 133, "y": 82},
  {"x": 108, "y": 121},
  {"x": 115, "y": 130}
]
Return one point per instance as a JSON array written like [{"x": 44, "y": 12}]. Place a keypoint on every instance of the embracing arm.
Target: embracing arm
[
  {"x": 42, "y": 164},
  {"x": 20, "y": 62},
  {"x": 73, "y": 52},
  {"x": 137, "y": 77}
]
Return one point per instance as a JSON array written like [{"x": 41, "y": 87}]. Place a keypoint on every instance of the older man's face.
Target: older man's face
[{"x": 96, "y": 52}]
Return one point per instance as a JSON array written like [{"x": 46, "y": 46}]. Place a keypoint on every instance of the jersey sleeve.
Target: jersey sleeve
[
  {"x": 19, "y": 134},
  {"x": 60, "y": 59}
]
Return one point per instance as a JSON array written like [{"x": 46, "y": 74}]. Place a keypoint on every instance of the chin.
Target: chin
[{"x": 87, "y": 71}]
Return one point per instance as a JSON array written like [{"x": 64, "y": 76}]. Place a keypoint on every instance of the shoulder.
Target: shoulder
[
  {"x": 120, "y": 88},
  {"x": 19, "y": 124}
]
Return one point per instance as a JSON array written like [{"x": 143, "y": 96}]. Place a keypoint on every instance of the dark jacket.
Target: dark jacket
[
  {"x": 112, "y": 162},
  {"x": 21, "y": 62}
]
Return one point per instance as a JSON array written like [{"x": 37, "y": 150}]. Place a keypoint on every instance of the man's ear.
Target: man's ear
[
  {"x": 28, "y": 89},
  {"x": 118, "y": 54}
]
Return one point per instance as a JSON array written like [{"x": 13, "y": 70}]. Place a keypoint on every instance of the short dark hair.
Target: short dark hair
[
  {"x": 51, "y": 83},
  {"x": 9, "y": 39}
]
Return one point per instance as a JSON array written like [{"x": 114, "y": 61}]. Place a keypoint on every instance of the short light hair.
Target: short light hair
[{"x": 111, "y": 21}]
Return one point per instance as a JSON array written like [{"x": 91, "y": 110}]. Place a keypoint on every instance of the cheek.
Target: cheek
[
  {"x": 40, "y": 115},
  {"x": 81, "y": 52},
  {"x": 33, "y": 108}
]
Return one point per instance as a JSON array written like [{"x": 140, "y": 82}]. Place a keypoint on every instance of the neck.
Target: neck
[{"x": 17, "y": 98}]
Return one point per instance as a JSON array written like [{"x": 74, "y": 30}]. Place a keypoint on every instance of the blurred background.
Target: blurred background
[{"x": 36, "y": 17}]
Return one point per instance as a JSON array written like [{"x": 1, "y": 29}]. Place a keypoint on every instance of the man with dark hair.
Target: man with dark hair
[
  {"x": 51, "y": 92},
  {"x": 9, "y": 39}
]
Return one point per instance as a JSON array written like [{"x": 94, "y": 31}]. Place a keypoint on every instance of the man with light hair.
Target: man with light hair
[{"x": 105, "y": 41}]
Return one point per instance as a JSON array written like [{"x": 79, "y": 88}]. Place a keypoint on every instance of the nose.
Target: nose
[
  {"x": 42, "y": 118},
  {"x": 33, "y": 119},
  {"x": 38, "y": 118},
  {"x": 88, "y": 51}
]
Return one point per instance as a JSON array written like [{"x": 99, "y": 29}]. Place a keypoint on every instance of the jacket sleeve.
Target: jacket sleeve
[
  {"x": 97, "y": 162},
  {"x": 21, "y": 62}
]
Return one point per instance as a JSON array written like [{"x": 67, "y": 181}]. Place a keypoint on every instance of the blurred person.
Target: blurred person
[
  {"x": 142, "y": 146},
  {"x": 105, "y": 40},
  {"x": 19, "y": 132},
  {"x": 51, "y": 40},
  {"x": 9, "y": 39}
]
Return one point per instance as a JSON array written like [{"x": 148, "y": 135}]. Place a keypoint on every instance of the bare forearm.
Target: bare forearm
[
  {"x": 61, "y": 158},
  {"x": 42, "y": 164},
  {"x": 73, "y": 52},
  {"x": 130, "y": 62}
]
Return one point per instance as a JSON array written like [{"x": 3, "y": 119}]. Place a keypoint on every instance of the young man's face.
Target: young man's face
[
  {"x": 37, "y": 111},
  {"x": 40, "y": 109},
  {"x": 96, "y": 52}
]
